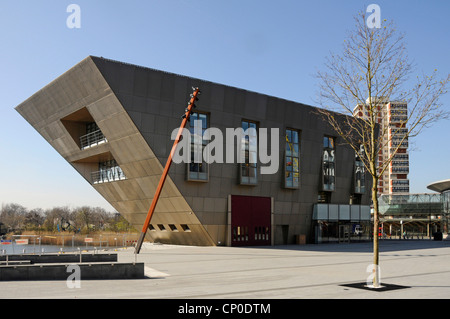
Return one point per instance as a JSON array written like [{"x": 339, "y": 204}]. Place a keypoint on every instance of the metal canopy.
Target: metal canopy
[{"x": 440, "y": 186}]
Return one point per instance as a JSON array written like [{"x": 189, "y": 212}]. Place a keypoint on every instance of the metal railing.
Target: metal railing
[
  {"x": 92, "y": 139},
  {"x": 400, "y": 182},
  {"x": 108, "y": 175},
  {"x": 57, "y": 243},
  {"x": 401, "y": 169}
]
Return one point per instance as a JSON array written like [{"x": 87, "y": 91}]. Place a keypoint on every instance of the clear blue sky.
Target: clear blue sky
[{"x": 272, "y": 47}]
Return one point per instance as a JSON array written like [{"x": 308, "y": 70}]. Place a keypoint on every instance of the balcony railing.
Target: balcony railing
[
  {"x": 403, "y": 182},
  {"x": 398, "y": 106},
  {"x": 398, "y": 119},
  {"x": 108, "y": 175},
  {"x": 400, "y": 163},
  {"x": 400, "y": 189},
  {"x": 402, "y": 145},
  {"x": 398, "y": 131},
  {"x": 92, "y": 139},
  {"x": 398, "y": 113},
  {"x": 401, "y": 157},
  {"x": 401, "y": 170}
]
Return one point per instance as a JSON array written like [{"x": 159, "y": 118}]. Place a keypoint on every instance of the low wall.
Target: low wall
[
  {"x": 62, "y": 272},
  {"x": 61, "y": 258}
]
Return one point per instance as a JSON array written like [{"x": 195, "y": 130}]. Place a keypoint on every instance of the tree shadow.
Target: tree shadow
[{"x": 364, "y": 247}]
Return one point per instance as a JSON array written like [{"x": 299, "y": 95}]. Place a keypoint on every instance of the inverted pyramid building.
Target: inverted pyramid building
[{"x": 113, "y": 121}]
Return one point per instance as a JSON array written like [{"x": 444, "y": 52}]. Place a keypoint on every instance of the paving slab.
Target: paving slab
[{"x": 324, "y": 271}]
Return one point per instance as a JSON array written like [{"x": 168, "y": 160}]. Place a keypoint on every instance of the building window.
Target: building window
[
  {"x": 248, "y": 169},
  {"x": 328, "y": 164},
  {"x": 198, "y": 168},
  {"x": 360, "y": 176},
  {"x": 109, "y": 171},
  {"x": 292, "y": 159}
]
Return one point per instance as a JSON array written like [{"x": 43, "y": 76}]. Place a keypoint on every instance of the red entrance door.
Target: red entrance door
[{"x": 250, "y": 221}]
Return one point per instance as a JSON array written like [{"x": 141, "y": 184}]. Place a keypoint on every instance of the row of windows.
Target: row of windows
[
  {"x": 110, "y": 170},
  {"x": 291, "y": 166},
  {"x": 400, "y": 169},
  {"x": 400, "y": 182},
  {"x": 401, "y": 157},
  {"x": 400, "y": 189},
  {"x": 396, "y": 112},
  {"x": 399, "y": 118},
  {"x": 171, "y": 227}
]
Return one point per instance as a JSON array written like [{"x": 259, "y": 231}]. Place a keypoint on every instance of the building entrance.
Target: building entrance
[{"x": 250, "y": 221}]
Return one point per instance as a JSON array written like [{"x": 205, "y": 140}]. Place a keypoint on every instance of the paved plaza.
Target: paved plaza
[{"x": 278, "y": 272}]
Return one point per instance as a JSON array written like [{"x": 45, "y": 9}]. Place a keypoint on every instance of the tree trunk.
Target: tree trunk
[{"x": 376, "y": 264}]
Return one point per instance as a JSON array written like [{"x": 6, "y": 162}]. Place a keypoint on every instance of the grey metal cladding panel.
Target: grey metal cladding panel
[
  {"x": 147, "y": 123},
  {"x": 229, "y": 99},
  {"x": 181, "y": 89},
  {"x": 218, "y": 96},
  {"x": 255, "y": 106},
  {"x": 166, "y": 109},
  {"x": 110, "y": 71},
  {"x": 238, "y": 105},
  {"x": 167, "y": 87},
  {"x": 141, "y": 81},
  {"x": 154, "y": 85}
]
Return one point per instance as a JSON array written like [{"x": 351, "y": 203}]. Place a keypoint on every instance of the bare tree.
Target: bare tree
[
  {"x": 372, "y": 69},
  {"x": 34, "y": 219},
  {"x": 54, "y": 216},
  {"x": 13, "y": 216}
]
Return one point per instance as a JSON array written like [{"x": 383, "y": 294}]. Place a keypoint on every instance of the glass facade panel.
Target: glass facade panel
[
  {"x": 198, "y": 171},
  {"x": 292, "y": 159},
  {"x": 248, "y": 169},
  {"x": 360, "y": 176},
  {"x": 328, "y": 164},
  {"x": 446, "y": 200},
  {"x": 338, "y": 231}
]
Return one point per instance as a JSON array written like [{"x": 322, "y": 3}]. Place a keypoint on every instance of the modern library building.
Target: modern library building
[{"x": 114, "y": 123}]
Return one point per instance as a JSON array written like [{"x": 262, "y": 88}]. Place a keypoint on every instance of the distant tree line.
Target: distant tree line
[{"x": 16, "y": 218}]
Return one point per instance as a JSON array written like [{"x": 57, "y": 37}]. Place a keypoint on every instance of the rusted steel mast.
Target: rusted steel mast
[{"x": 185, "y": 118}]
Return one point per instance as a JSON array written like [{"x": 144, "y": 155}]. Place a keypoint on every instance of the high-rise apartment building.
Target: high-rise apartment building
[{"x": 392, "y": 117}]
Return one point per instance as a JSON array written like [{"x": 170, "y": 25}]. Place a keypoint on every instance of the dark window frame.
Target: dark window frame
[
  {"x": 329, "y": 152},
  {"x": 197, "y": 172},
  {"x": 291, "y": 155},
  {"x": 248, "y": 168}
]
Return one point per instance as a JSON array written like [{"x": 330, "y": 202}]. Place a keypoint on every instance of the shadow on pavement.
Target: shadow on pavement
[{"x": 362, "y": 247}]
